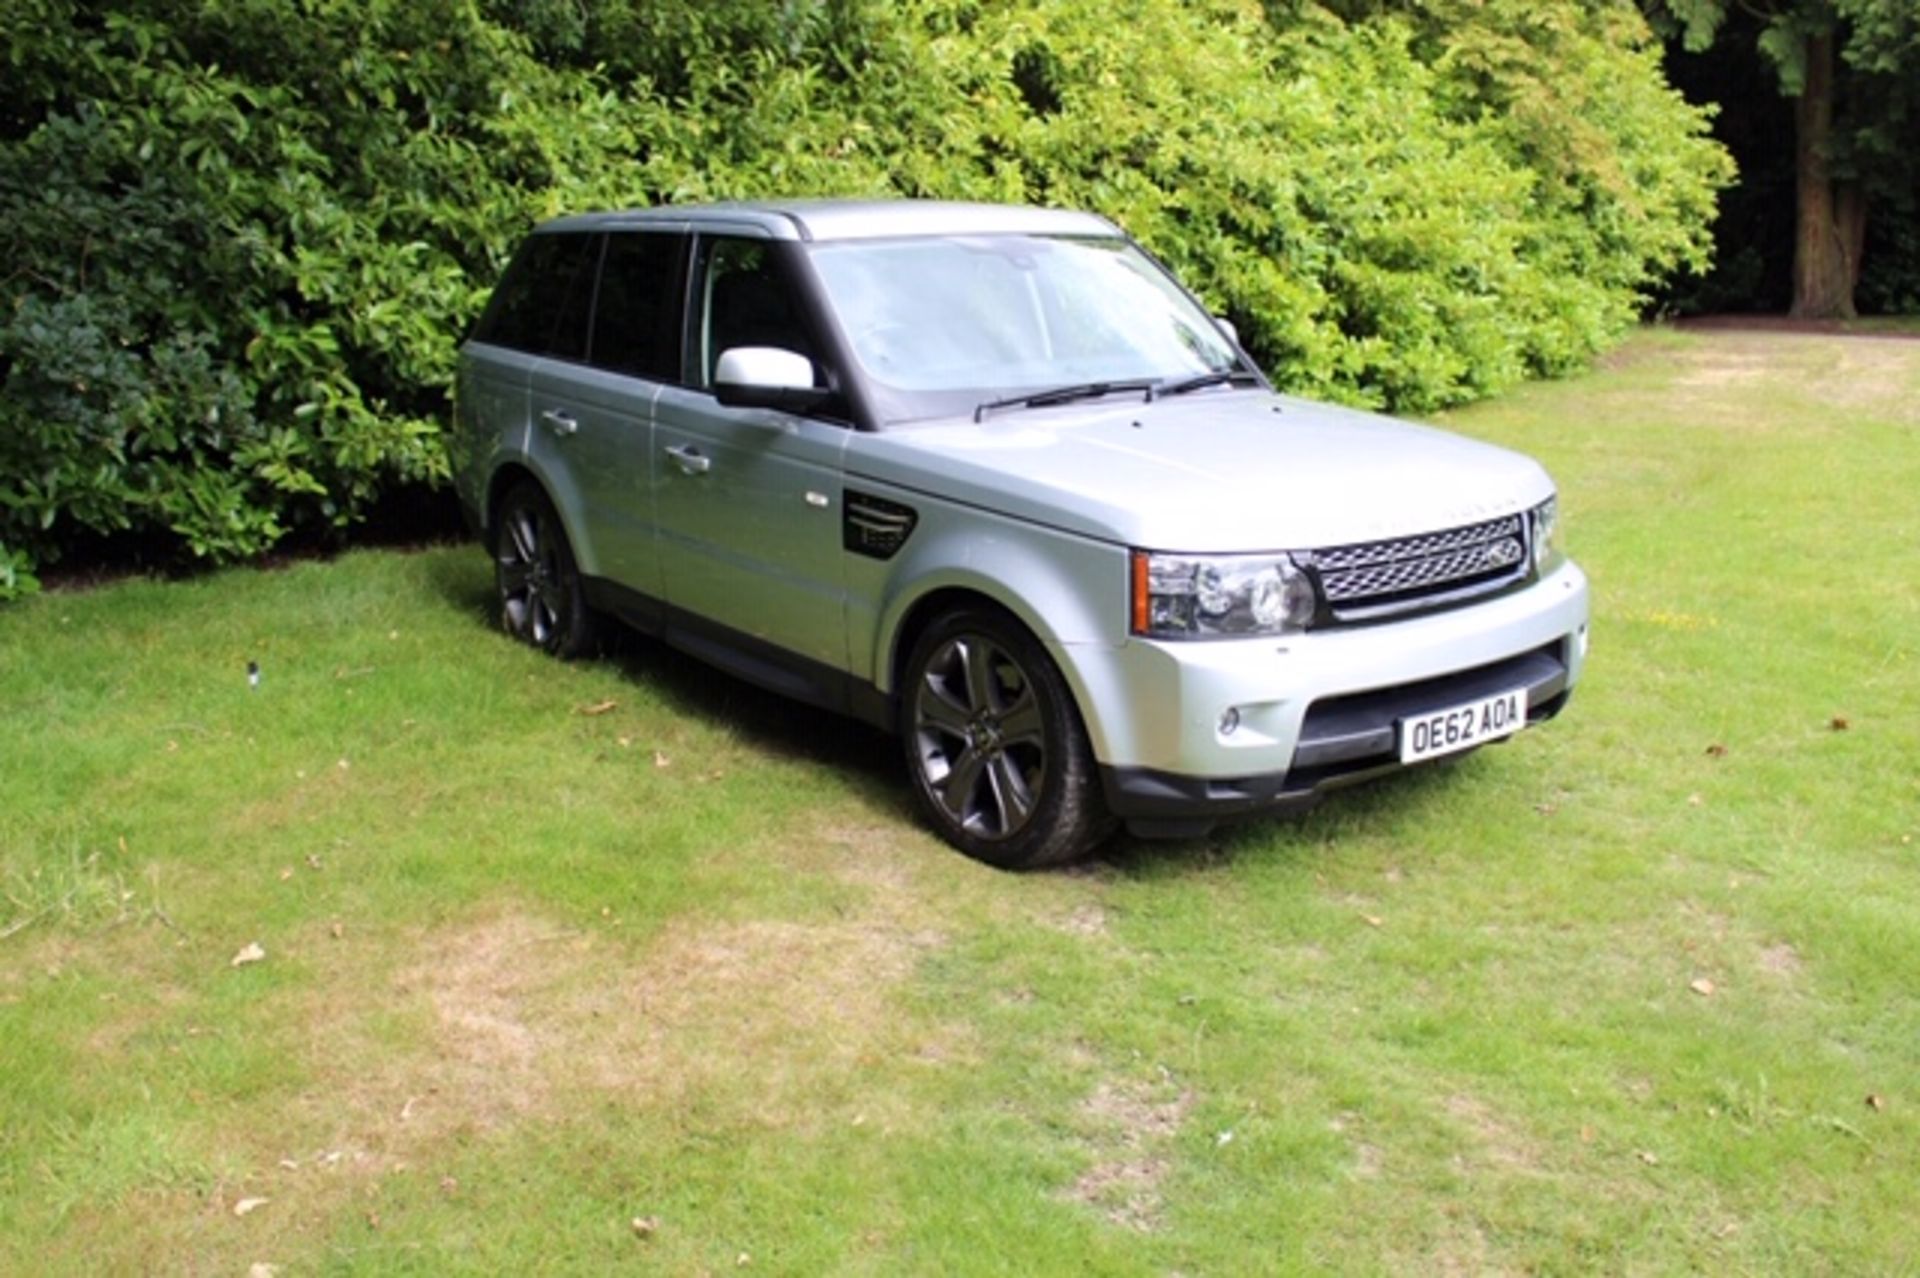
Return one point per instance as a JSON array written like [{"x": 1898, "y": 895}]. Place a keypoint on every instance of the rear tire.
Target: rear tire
[
  {"x": 543, "y": 601},
  {"x": 999, "y": 761}
]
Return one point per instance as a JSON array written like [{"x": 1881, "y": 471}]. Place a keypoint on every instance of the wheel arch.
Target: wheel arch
[
  {"x": 911, "y": 615},
  {"x": 505, "y": 477},
  {"x": 518, "y": 469},
  {"x": 922, "y": 613}
]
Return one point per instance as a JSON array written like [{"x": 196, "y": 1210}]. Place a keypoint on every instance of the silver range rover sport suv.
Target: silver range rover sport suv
[{"x": 991, "y": 479}]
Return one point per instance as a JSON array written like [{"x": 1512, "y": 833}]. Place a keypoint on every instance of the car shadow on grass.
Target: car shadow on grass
[
  {"x": 871, "y": 760},
  {"x": 766, "y": 721},
  {"x": 1296, "y": 836}
]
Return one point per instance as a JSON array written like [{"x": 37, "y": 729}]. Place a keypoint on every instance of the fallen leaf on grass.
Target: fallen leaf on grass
[
  {"x": 250, "y": 953},
  {"x": 247, "y": 1206},
  {"x": 1838, "y": 723},
  {"x": 1586, "y": 1135},
  {"x": 1373, "y": 920},
  {"x": 660, "y": 759},
  {"x": 1876, "y": 1102},
  {"x": 645, "y": 1226},
  {"x": 449, "y": 1186},
  {"x": 1546, "y": 809},
  {"x": 337, "y": 931},
  {"x": 286, "y": 872},
  {"x": 1694, "y": 800},
  {"x": 1648, "y": 1157},
  {"x": 598, "y": 707},
  {"x": 313, "y": 860},
  {"x": 261, "y": 1269},
  {"x": 1701, "y": 986},
  {"x": 1716, "y": 751}
]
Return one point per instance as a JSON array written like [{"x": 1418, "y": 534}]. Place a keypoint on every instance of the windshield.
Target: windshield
[{"x": 941, "y": 325}]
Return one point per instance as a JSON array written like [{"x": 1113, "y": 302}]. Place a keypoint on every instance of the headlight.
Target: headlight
[
  {"x": 1549, "y": 542},
  {"x": 1208, "y": 596}
]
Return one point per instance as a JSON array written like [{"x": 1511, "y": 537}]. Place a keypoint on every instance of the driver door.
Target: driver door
[{"x": 747, "y": 500}]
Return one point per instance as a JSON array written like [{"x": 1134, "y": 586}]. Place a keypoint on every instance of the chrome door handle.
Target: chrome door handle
[
  {"x": 690, "y": 459},
  {"x": 558, "y": 422}
]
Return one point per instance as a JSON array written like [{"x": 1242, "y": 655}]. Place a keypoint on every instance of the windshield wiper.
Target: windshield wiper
[
  {"x": 1066, "y": 395},
  {"x": 1200, "y": 381}
]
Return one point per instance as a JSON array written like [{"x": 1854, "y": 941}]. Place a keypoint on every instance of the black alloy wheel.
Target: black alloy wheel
[
  {"x": 542, "y": 601},
  {"x": 1000, "y": 763}
]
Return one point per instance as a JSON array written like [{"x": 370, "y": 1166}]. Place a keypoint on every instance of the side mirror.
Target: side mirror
[
  {"x": 766, "y": 377},
  {"x": 1225, "y": 325}
]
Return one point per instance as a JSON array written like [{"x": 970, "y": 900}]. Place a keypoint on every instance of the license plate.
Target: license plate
[{"x": 1461, "y": 727}]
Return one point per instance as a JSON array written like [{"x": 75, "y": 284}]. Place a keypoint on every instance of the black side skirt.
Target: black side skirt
[{"x": 758, "y": 662}]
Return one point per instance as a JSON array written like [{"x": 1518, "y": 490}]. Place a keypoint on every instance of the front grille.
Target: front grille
[{"x": 1389, "y": 576}]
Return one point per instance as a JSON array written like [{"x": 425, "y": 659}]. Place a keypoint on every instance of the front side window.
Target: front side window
[
  {"x": 747, "y": 299},
  {"x": 940, "y": 324}
]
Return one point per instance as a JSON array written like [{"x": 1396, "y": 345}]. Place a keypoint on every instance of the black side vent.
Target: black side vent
[{"x": 874, "y": 526}]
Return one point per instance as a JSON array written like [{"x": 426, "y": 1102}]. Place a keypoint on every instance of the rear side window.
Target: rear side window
[
  {"x": 541, "y": 304},
  {"x": 636, "y": 324}
]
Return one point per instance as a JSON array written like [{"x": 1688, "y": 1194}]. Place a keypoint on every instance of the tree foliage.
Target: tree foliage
[
  {"x": 1852, "y": 71},
  {"x": 247, "y": 234}
]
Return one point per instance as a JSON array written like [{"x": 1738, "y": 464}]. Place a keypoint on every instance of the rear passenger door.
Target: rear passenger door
[
  {"x": 507, "y": 343},
  {"x": 592, "y": 402},
  {"x": 748, "y": 500}
]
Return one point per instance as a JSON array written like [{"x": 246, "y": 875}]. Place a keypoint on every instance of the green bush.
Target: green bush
[
  {"x": 248, "y": 235},
  {"x": 247, "y": 238}
]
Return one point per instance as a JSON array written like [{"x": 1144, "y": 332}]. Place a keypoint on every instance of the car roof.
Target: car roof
[{"x": 816, "y": 220}]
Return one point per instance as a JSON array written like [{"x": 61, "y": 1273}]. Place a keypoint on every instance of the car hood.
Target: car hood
[{"x": 1210, "y": 471}]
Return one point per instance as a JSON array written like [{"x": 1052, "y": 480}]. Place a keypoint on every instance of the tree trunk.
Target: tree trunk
[
  {"x": 1850, "y": 212},
  {"x": 1823, "y": 267}
]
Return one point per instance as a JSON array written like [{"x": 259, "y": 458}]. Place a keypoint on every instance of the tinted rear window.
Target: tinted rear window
[
  {"x": 541, "y": 304},
  {"x": 636, "y": 324}
]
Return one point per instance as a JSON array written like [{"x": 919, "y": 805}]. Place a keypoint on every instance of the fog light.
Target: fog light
[{"x": 1229, "y": 720}]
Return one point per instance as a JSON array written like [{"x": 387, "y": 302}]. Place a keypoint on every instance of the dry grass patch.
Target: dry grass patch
[
  {"x": 517, "y": 1018},
  {"x": 1860, "y": 373},
  {"x": 1086, "y": 919},
  {"x": 1781, "y": 960},
  {"x": 1133, "y": 1126},
  {"x": 416, "y": 1049},
  {"x": 1495, "y": 1141}
]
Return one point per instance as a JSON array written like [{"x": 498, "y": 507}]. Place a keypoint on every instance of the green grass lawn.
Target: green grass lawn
[{"x": 1635, "y": 992}]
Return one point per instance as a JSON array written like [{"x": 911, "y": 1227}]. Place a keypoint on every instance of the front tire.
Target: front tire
[
  {"x": 542, "y": 599},
  {"x": 998, "y": 757}
]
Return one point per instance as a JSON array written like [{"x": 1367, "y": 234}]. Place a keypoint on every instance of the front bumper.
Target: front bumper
[
  {"x": 1314, "y": 711},
  {"x": 1342, "y": 740}
]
